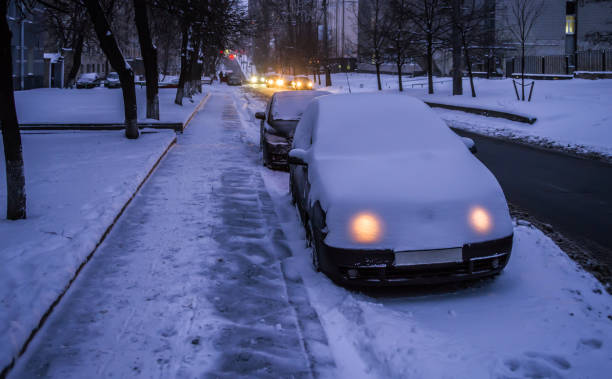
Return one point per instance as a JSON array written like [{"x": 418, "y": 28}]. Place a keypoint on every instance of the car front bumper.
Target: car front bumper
[{"x": 377, "y": 268}]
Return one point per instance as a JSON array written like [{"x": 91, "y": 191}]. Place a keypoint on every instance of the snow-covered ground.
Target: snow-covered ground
[
  {"x": 572, "y": 114},
  {"x": 97, "y": 105},
  {"x": 542, "y": 317},
  {"x": 207, "y": 274},
  {"x": 76, "y": 184}
]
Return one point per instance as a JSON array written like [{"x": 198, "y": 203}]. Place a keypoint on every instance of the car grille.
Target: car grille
[{"x": 472, "y": 267}]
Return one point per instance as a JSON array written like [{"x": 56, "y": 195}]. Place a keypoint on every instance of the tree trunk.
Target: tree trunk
[
  {"x": 378, "y": 75},
  {"x": 469, "y": 67},
  {"x": 15, "y": 177},
  {"x": 430, "y": 63},
  {"x": 180, "y": 89},
  {"x": 523, "y": 71},
  {"x": 126, "y": 75},
  {"x": 468, "y": 63},
  {"x": 149, "y": 57},
  {"x": 400, "y": 85},
  {"x": 456, "y": 44},
  {"x": 328, "y": 81},
  {"x": 77, "y": 53}
]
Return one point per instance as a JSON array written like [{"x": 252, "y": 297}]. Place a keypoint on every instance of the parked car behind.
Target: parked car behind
[
  {"x": 112, "y": 80},
  {"x": 234, "y": 80},
  {"x": 389, "y": 195},
  {"x": 278, "y": 124},
  {"x": 88, "y": 80}
]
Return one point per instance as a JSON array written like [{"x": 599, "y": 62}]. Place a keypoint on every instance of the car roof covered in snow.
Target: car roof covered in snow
[
  {"x": 374, "y": 123},
  {"x": 289, "y": 105}
]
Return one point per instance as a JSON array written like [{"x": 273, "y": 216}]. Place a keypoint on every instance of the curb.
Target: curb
[
  {"x": 176, "y": 126},
  {"x": 5, "y": 370},
  {"x": 195, "y": 111},
  {"x": 484, "y": 112}
]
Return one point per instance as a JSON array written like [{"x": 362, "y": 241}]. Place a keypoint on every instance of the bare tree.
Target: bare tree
[
  {"x": 456, "y": 46},
  {"x": 328, "y": 81},
  {"x": 68, "y": 24},
  {"x": 375, "y": 26},
  {"x": 430, "y": 17},
  {"x": 11, "y": 138},
  {"x": 149, "y": 56},
  {"x": 400, "y": 39},
  {"x": 108, "y": 43},
  {"x": 522, "y": 17}
]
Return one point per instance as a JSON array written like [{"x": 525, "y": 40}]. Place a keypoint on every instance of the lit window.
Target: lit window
[{"x": 570, "y": 24}]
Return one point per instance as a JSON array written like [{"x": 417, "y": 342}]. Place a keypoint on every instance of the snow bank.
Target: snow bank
[
  {"x": 571, "y": 113},
  {"x": 97, "y": 105},
  {"x": 76, "y": 184},
  {"x": 542, "y": 317}
]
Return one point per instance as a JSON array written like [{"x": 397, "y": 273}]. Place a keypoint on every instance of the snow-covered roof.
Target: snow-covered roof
[
  {"x": 53, "y": 57},
  {"x": 374, "y": 123}
]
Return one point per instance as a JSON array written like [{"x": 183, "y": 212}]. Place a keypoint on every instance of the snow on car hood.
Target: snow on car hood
[
  {"x": 423, "y": 200},
  {"x": 392, "y": 158}
]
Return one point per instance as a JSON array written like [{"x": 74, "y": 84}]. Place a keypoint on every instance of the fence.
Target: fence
[
  {"x": 599, "y": 60},
  {"x": 592, "y": 60}
]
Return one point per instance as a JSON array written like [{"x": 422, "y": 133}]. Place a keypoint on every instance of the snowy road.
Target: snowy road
[{"x": 207, "y": 275}]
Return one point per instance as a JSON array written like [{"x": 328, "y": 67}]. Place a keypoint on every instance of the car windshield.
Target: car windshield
[
  {"x": 88, "y": 77},
  {"x": 113, "y": 75},
  {"x": 289, "y": 106}
]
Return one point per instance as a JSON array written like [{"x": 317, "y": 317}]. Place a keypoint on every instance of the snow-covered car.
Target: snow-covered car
[
  {"x": 207, "y": 80},
  {"x": 389, "y": 195},
  {"x": 88, "y": 80},
  {"x": 112, "y": 80},
  {"x": 278, "y": 124}
]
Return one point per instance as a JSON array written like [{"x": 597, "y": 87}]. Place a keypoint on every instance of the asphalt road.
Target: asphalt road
[{"x": 573, "y": 195}]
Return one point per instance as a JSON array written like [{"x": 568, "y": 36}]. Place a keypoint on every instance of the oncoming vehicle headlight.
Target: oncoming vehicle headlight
[
  {"x": 280, "y": 82},
  {"x": 310, "y": 84},
  {"x": 262, "y": 80},
  {"x": 366, "y": 227},
  {"x": 254, "y": 80},
  {"x": 480, "y": 220},
  {"x": 299, "y": 84}
]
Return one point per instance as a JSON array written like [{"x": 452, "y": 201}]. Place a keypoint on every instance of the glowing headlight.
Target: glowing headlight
[
  {"x": 262, "y": 79},
  {"x": 280, "y": 82},
  {"x": 480, "y": 220},
  {"x": 299, "y": 84},
  {"x": 254, "y": 80},
  {"x": 366, "y": 227},
  {"x": 310, "y": 84}
]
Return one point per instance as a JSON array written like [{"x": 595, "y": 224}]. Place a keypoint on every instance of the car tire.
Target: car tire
[
  {"x": 314, "y": 251},
  {"x": 264, "y": 155}
]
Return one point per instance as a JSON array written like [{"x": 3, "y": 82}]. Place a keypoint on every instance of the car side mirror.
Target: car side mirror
[
  {"x": 297, "y": 157},
  {"x": 470, "y": 144},
  {"x": 260, "y": 115}
]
